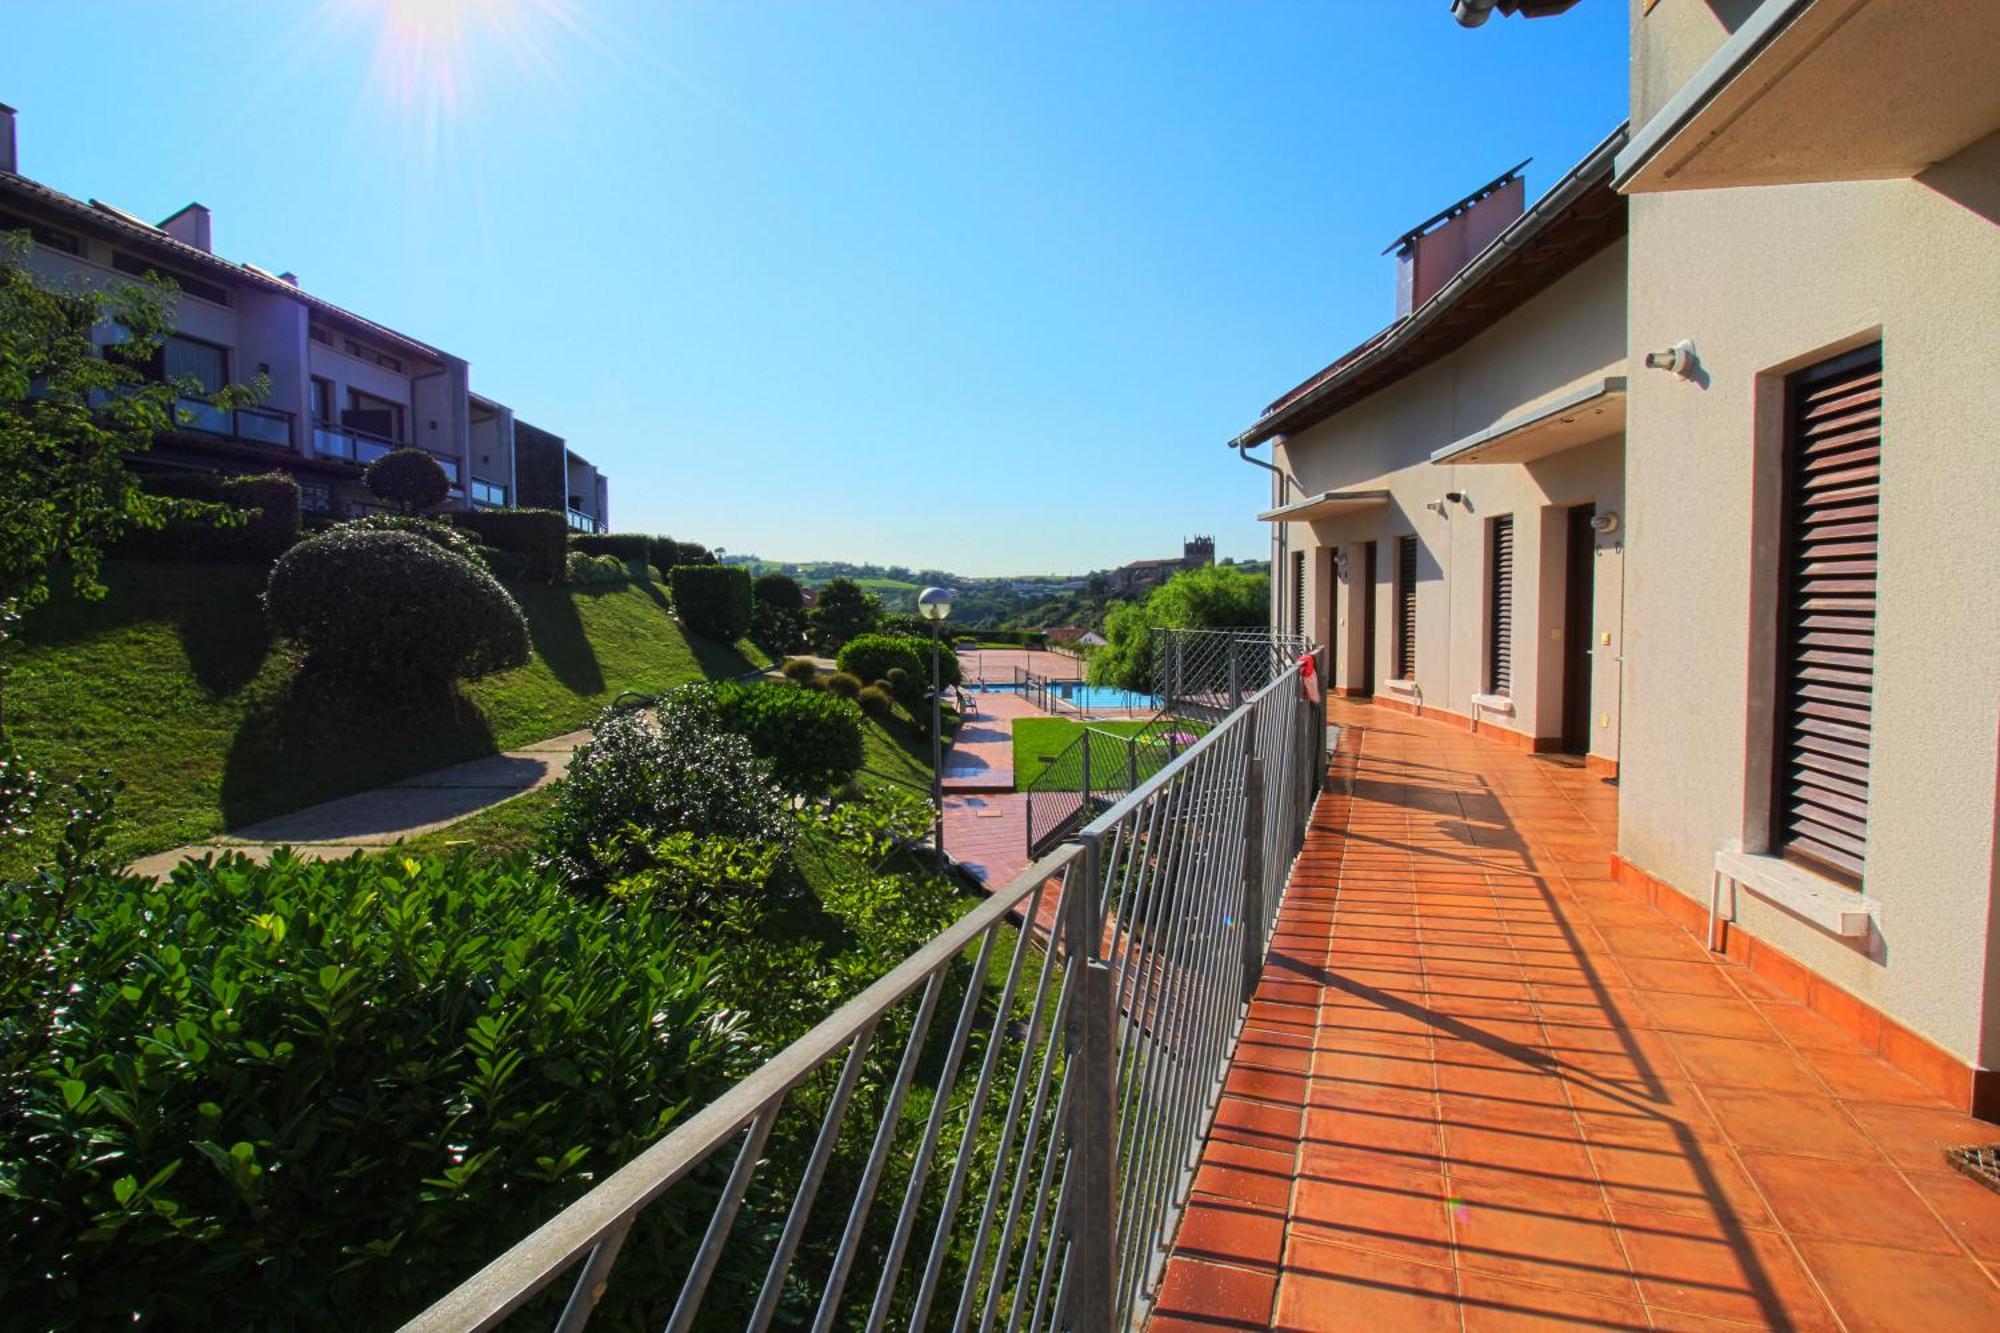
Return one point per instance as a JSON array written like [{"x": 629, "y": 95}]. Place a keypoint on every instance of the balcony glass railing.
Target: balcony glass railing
[
  {"x": 256, "y": 424},
  {"x": 581, "y": 521},
  {"x": 355, "y": 446}
]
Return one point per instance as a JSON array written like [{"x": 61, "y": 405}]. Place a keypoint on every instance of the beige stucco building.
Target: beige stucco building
[
  {"x": 1811, "y": 720},
  {"x": 1433, "y": 512},
  {"x": 1767, "y": 371}
]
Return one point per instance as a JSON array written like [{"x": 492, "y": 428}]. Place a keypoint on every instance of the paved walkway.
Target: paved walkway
[
  {"x": 371, "y": 820},
  {"x": 981, "y": 758},
  {"x": 1482, "y": 1086}
]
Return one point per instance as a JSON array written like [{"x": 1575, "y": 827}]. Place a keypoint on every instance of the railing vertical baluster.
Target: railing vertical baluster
[
  {"x": 1086, "y": 773},
  {"x": 1252, "y": 918},
  {"x": 1092, "y": 1179},
  {"x": 723, "y": 1219},
  {"x": 589, "y": 1289}
]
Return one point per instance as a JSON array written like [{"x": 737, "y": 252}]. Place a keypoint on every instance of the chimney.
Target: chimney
[
  {"x": 190, "y": 226},
  {"x": 1436, "y": 250},
  {"x": 9, "y": 161},
  {"x": 289, "y": 276}
]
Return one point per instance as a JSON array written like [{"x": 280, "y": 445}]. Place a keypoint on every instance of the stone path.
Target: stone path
[
  {"x": 371, "y": 820},
  {"x": 981, "y": 758}
]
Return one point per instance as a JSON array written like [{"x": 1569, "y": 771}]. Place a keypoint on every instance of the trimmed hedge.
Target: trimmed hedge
[
  {"x": 270, "y": 499},
  {"x": 811, "y": 738},
  {"x": 583, "y": 568},
  {"x": 460, "y": 544},
  {"x": 388, "y": 609},
  {"x": 713, "y": 600},
  {"x": 539, "y": 536},
  {"x": 625, "y": 547}
]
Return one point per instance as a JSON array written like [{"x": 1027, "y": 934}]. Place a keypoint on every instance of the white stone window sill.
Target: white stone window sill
[
  {"x": 1402, "y": 686},
  {"x": 1832, "y": 907},
  {"x": 1493, "y": 703}
]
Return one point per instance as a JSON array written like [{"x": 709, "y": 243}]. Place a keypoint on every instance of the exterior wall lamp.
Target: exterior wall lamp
[{"x": 1679, "y": 360}]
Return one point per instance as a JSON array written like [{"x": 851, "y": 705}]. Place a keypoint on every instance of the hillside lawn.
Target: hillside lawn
[
  {"x": 172, "y": 684},
  {"x": 1038, "y": 741}
]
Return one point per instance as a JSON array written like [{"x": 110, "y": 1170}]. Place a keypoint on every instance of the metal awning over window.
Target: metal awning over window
[
  {"x": 1590, "y": 413},
  {"x": 1327, "y": 504}
]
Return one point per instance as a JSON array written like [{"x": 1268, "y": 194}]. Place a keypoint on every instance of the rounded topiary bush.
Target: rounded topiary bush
[
  {"x": 845, "y": 684},
  {"x": 811, "y": 739},
  {"x": 800, "y": 669},
  {"x": 901, "y": 684},
  {"x": 875, "y": 700},
  {"x": 874, "y": 656},
  {"x": 409, "y": 478},
  {"x": 455, "y": 540},
  {"x": 377, "y": 607}
]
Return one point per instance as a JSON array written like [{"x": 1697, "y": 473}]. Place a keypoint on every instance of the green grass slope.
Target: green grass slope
[{"x": 172, "y": 684}]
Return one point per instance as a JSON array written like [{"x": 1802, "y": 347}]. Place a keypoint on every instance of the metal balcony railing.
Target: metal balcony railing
[
  {"x": 581, "y": 521},
  {"x": 1208, "y": 672},
  {"x": 1027, "y": 1170},
  {"x": 258, "y": 425}
]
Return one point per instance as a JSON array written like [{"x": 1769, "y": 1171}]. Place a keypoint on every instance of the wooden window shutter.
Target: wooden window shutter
[
  {"x": 1406, "y": 608},
  {"x": 1299, "y": 593},
  {"x": 1500, "y": 611},
  {"x": 1826, "y": 658}
]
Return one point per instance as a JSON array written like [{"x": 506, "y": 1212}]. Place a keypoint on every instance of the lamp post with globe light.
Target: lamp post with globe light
[{"x": 934, "y": 605}]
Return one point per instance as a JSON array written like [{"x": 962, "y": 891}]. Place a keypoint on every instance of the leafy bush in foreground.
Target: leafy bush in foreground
[
  {"x": 317, "y": 1094},
  {"x": 678, "y": 771},
  {"x": 812, "y": 740},
  {"x": 375, "y": 607}
]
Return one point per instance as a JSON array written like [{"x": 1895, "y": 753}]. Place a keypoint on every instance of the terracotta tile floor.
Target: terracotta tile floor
[{"x": 1482, "y": 1087}]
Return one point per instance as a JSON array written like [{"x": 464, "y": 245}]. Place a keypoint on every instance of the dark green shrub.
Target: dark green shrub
[
  {"x": 262, "y": 523},
  {"x": 901, "y": 683},
  {"x": 813, "y": 683},
  {"x": 676, "y": 772},
  {"x": 410, "y": 479},
  {"x": 583, "y": 568},
  {"x": 430, "y": 529},
  {"x": 538, "y": 535},
  {"x": 662, "y": 554},
  {"x": 374, "y": 608},
  {"x": 812, "y": 740},
  {"x": 845, "y": 684},
  {"x": 317, "y": 1094},
  {"x": 628, "y": 548},
  {"x": 874, "y": 656},
  {"x": 712, "y": 600},
  {"x": 876, "y": 700},
  {"x": 509, "y": 566},
  {"x": 692, "y": 553},
  {"x": 799, "y": 670},
  {"x": 842, "y": 612}
]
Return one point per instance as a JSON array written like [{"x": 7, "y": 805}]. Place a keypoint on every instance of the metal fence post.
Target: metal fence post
[
  {"x": 1086, "y": 774},
  {"x": 1235, "y": 679},
  {"x": 1253, "y": 873},
  {"x": 1131, "y": 763},
  {"x": 1092, "y": 1279}
]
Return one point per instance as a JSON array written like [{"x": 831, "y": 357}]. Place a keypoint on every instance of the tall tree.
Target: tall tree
[
  {"x": 843, "y": 612},
  {"x": 1214, "y": 597},
  {"x": 70, "y": 416},
  {"x": 777, "y": 614}
]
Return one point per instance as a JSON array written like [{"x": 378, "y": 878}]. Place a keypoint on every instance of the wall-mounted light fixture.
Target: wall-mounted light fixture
[
  {"x": 1605, "y": 523},
  {"x": 1679, "y": 360}
]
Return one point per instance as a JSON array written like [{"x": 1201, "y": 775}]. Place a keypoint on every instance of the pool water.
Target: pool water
[{"x": 1083, "y": 696}]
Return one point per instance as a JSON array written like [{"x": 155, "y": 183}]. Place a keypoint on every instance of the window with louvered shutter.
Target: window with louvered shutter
[
  {"x": 1500, "y": 611},
  {"x": 1299, "y": 592},
  {"x": 1826, "y": 680},
  {"x": 1406, "y": 608}
]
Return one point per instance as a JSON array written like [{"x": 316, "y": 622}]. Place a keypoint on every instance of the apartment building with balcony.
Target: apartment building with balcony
[
  {"x": 1446, "y": 499},
  {"x": 554, "y": 476},
  {"x": 342, "y": 389}
]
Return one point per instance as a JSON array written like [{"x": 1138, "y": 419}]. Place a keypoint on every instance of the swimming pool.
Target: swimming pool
[{"x": 1089, "y": 698}]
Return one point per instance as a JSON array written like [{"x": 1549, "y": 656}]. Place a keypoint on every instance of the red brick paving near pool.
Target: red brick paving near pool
[{"x": 1482, "y": 1086}]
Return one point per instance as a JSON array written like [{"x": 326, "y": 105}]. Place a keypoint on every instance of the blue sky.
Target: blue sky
[{"x": 982, "y": 287}]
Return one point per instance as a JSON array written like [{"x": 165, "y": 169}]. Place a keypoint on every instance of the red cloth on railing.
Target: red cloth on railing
[{"x": 1309, "y": 676}]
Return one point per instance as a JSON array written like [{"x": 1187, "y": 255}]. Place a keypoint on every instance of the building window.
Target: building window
[
  {"x": 316, "y": 497},
  {"x": 486, "y": 493},
  {"x": 205, "y": 363},
  {"x": 1826, "y": 606},
  {"x": 356, "y": 348},
  {"x": 322, "y": 400},
  {"x": 1406, "y": 608},
  {"x": 139, "y": 268},
  {"x": 1500, "y": 610},
  {"x": 46, "y": 237},
  {"x": 373, "y": 416},
  {"x": 1299, "y": 593}
]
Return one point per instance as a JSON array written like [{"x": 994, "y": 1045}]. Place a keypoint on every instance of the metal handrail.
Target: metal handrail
[{"x": 1128, "y": 957}]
